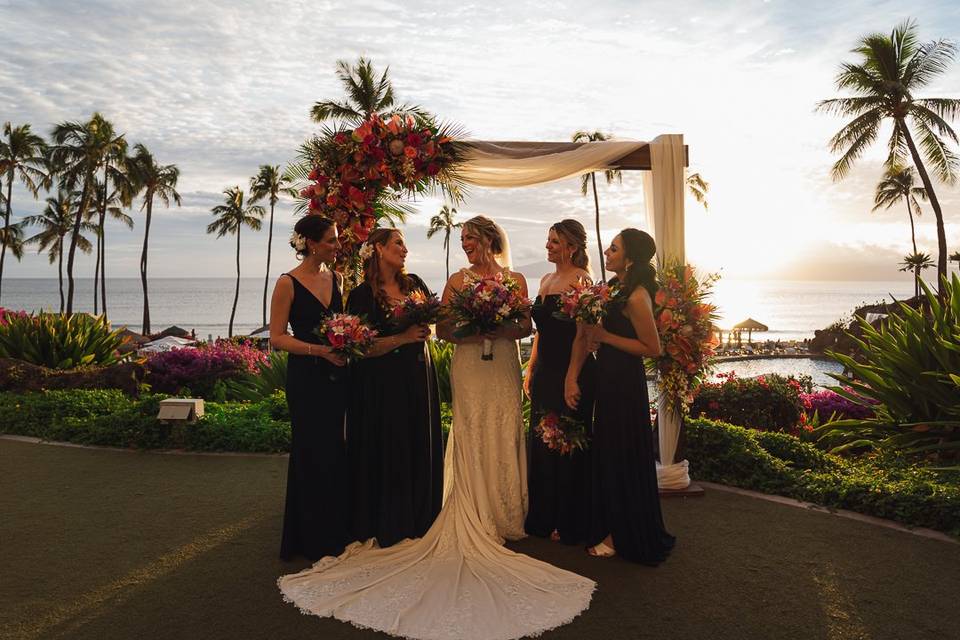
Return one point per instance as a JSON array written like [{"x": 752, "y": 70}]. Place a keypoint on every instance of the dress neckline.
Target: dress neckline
[{"x": 333, "y": 288}]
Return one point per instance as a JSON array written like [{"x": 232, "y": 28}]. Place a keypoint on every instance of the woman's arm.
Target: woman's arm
[
  {"x": 640, "y": 312},
  {"x": 279, "y": 317},
  {"x": 362, "y": 303},
  {"x": 531, "y": 363},
  {"x": 578, "y": 355}
]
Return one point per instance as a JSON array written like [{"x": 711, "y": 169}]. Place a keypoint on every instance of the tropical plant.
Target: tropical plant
[
  {"x": 897, "y": 185},
  {"x": 268, "y": 183},
  {"x": 589, "y": 180},
  {"x": 114, "y": 193},
  {"x": 155, "y": 181},
  {"x": 366, "y": 94},
  {"x": 60, "y": 341},
  {"x": 231, "y": 217},
  {"x": 270, "y": 377},
  {"x": 908, "y": 368},
  {"x": 79, "y": 151},
  {"x": 891, "y": 70},
  {"x": 915, "y": 263},
  {"x": 698, "y": 188},
  {"x": 203, "y": 370},
  {"x": 441, "y": 352},
  {"x": 22, "y": 158},
  {"x": 55, "y": 223},
  {"x": 443, "y": 221},
  {"x": 955, "y": 257},
  {"x": 768, "y": 402}
]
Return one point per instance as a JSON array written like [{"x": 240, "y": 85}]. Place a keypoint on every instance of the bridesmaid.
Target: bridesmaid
[
  {"x": 394, "y": 441},
  {"x": 314, "y": 519},
  {"x": 625, "y": 511},
  {"x": 558, "y": 485}
]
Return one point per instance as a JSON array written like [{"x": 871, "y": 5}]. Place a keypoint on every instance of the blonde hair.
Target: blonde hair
[
  {"x": 492, "y": 235},
  {"x": 576, "y": 236}
]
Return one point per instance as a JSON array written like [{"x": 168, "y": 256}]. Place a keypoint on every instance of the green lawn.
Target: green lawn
[{"x": 111, "y": 544}]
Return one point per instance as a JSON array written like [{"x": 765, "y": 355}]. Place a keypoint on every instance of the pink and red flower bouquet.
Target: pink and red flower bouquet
[
  {"x": 346, "y": 334},
  {"x": 484, "y": 306},
  {"x": 562, "y": 433},
  {"x": 586, "y": 302},
  {"x": 417, "y": 308}
]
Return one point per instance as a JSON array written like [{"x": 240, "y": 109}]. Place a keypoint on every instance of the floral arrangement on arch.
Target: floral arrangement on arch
[
  {"x": 684, "y": 320},
  {"x": 355, "y": 172}
]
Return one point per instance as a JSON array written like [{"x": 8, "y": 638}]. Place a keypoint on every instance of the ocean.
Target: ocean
[{"x": 792, "y": 310}]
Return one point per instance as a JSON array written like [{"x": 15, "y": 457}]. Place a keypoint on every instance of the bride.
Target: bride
[{"x": 459, "y": 581}]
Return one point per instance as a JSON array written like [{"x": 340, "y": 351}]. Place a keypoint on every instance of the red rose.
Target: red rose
[
  {"x": 413, "y": 140},
  {"x": 340, "y": 138},
  {"x": 410, "y": 152}
]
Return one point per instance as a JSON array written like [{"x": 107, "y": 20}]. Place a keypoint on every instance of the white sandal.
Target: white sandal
[{"x": 601, "y": 551}]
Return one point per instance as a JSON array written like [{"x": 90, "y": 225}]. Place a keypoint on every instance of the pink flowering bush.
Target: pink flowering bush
[
  {"x": 202, "y": 370},
  {"x": 7, "y": 314},
  {"x": 767, "y": 403},
  {"x": 827, "y": 405}
]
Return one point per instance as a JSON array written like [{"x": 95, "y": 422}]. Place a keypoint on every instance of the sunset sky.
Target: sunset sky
[{"x": 220, "y": 88}]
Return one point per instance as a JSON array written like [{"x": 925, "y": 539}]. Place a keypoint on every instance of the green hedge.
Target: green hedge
[
  {"x": 781, "y": 464},
  {"x": 110, "y": 418}
]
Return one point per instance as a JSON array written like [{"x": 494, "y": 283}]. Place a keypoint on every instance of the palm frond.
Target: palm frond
[
  {"x": 937, "y": 153},
  {"x": 867, "y": 135}
]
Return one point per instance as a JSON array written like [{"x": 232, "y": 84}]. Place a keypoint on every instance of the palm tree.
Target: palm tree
[
  {"x": 916, "y": 262},
  {"x": 110, "y": 204},
  {"x": 897, "y": 185},
  {"x": 269, "y": 182},
  {"x": 21, "y": 158},
  {"x": 80, "y": 150},
  {"x": 955, "y": 257},
  {"x": 884, "y": 82},
  {"x": 231, "y": 216},
  {"x": 56, "y": 222},
  {"x": 443, "y": 221},
  {"x": 698, "y": 188},
  {"x": 590, "y": 180},
  {"x": 155, "y": 181},
  {"x": 366, "y": 95}
]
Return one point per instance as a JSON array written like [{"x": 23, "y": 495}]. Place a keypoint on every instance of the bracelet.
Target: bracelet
[{"x": 309, "y": 348}]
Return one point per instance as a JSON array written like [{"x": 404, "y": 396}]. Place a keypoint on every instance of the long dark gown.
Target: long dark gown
[
  {"x": 626, "y": 501},
  {"x": 394, "y": 440},
  {"x": 558, "y": 485},
  {"x": 314, "y": 518}
]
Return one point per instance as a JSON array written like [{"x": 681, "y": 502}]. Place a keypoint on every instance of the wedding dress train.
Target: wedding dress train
[{"x": 458, "y": 581}]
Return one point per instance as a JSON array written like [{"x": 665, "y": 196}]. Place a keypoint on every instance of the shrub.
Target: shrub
[
  {"x": 200, "y": 370},
  {"x": 781, "y": 464},
  {"x": 768, "y": 402},
  {"x": 59, "y": 341},
  {"x": 270, "y": 377},
  {"x": 908, "y": 367},
  {"x": 830, "y": 405},
  {"x": 441, "y": 352}
]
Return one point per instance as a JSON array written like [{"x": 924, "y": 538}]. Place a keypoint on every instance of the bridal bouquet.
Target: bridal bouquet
[
  {"x": 562, "y": 433},
  {"x": 586, "y": 302},
  {"x": 483, "y": 306},
  {"x": 346, "y": 334},
  {"x": 418, "y": 308}
]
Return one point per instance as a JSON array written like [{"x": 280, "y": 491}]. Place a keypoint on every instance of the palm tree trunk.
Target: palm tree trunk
[
  {"x": 143, "y": 266},
  {"x": 916, "y": 282},
  {"x": 103, "y": 265},
  {"x": 84, "y": 203},
  {"x": 596, "y": 206},
  {"x": 96, "y": 272},
  {"x": 6, "y": 226},
  {"x": 938, "y": 214},
  {"x": 266, "y": 281},
  {"x": 236, "y": 293},
  {"x": 60, "y": 270},
  {"x": 913, "y": 235},
  {"x": 446, "y": 247}
]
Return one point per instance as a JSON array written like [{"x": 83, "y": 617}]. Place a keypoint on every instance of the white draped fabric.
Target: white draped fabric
[{"x": 522, "y": 164}]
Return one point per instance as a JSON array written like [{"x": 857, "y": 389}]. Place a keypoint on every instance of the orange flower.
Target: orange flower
[{"x": 410, "y": 152}]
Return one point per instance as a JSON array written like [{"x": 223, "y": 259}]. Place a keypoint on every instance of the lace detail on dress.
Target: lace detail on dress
[{"x": 458, "y": 581}]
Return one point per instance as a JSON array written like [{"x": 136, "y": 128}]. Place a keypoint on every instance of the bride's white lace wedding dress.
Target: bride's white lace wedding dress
[{"x": 458, "y": 581}]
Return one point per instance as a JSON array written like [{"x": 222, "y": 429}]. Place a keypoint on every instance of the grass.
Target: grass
[{"x": 115, "y": 544}]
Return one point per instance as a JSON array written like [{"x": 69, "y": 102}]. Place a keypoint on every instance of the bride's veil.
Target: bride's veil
[{"x": 504, "y": 257}]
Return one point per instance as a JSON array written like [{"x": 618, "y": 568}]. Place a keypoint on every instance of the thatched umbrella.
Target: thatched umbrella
[
  {"x": 750, "y": 325},
  {"x": 174, "y": 331}
]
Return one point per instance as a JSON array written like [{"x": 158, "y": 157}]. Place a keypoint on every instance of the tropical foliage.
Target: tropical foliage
[
  {"x": 698, "y": 188},
  {"x": 22, "y": 158},
  {"x": 885, "y": 80},
  {"x": 898, "y": 184},
  {"x": 269, "y": 183},
  {"x": 768, "y": 402},
  {"x": 59, "y": 341},
  {"x": 908, "y": 368},
  {"x": 444, "y": 222},
  {"x": 916, "y": 263}
]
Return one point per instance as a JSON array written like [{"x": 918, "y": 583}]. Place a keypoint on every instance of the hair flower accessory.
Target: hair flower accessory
[
  {"x": 366, "y": 251},
  {"x": 297, "y": 241}
]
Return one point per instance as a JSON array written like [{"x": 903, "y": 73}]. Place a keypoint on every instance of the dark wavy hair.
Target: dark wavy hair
[
  {"x": 313, "y": 227},
  {"x": 575, "y": 235},
  {"x": 639, "y": 249}
]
